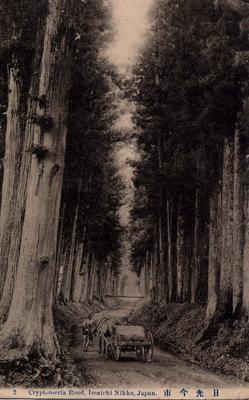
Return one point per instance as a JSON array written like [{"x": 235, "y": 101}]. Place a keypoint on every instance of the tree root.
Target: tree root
[
  {"x": 17, "y": 360},
  {"x": 213, "y": 326},
  {"x": 34, "y": 371},
  {"x": 210, "y": 331}
]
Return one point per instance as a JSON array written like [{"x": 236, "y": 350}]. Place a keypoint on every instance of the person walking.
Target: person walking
[{"x": 88, "y": 331}]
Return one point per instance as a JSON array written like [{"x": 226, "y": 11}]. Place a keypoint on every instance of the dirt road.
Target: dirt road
[{"x": 166, "y": 370}]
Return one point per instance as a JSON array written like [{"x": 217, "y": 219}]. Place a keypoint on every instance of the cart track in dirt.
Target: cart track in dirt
[{"x": 165, "y": 371}]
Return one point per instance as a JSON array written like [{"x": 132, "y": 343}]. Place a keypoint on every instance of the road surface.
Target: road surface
[{"x": 165, "y": 371}]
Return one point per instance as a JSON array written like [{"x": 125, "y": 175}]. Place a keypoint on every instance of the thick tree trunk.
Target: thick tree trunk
[
  {"x": 214, "y": 253},
  {"x": 12, "y": 161},
  {"x": 19, "y": 206},
  {"x": 245, "y": 306},
  {"x": 226, "y": 273},
  {"x": 30, "y": 321},
  {"x": 238, "y": 223}
]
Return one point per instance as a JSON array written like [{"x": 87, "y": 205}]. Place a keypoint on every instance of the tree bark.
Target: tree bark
[
  {"x": 238, "y": 223},
  {"x": 69, "y": 270},
  {"x": 183, "y": 261},
  {"x": 214, "y": 253},
  {"x": 85, "y": 275},
  {"x": 155, "y": 268},
  {"x": 146, "y": 274},
  {"x": 30, "y": 320},
  {"x": 239, "y": 6},
  {"x": 77, "y": 278},
  {"x": 199, "y": 276},
  {"x": 63, "y": 263},
  {"x": 105, "y": 281},
  {"x": 226, "y": 274},
  {"x": 59, "y": 254},
  {"x": 92, "y": 278},
  {"x": 174, "y": 231},
  {"x": 22, "y": 176},
  {"x": 169, "y": 250},
  {"x": 245, "y": 306},
  {"x": 12, "y": 161}
]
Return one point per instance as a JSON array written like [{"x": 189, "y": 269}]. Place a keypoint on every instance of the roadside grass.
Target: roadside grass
[{"x": 178, "y": 328}]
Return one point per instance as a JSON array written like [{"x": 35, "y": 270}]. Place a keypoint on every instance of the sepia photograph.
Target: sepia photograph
[{"x": 124, "y": 199}]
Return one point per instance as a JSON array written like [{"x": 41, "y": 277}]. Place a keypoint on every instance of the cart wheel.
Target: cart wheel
[
  {"x": 117, "y": 353},
  {"x": 109, "y": 351},
  {"x": 139, "y": 353}
]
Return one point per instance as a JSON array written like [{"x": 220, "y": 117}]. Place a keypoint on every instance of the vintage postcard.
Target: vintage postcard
[{"x": 124, "y": 182}]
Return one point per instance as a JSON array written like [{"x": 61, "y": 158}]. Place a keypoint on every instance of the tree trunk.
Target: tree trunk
[
  {"x": 180, "y": 254},
  {"x": 199, "y": 276},
  {"x": 63, "y": 263},
  {"x": 146, "y": 274},
  {"x": 89, "y": 276},
  {"x": 59, "y": 254},
  {"x": 155, "y": 268},
  {"x": 30, "y": 321},
  {"x": 161, "y": 274},
  {"x": 12, "y": 160},
  {"x": 77, "y": 278},
  {"x": 246, "y": 259},
  {"x": 174, "y": 232},
  {"x": 238, "y": 223},
  {"x": 239, "y": 6},
  {"x": 105, "y": 280},
  {"x": 74, "y": 254},
  {"x": 68, "y": 271},
  {"x": 214, "y": 253},
  {"x": 226, "y": 273},
  {"x": 85, "y": 276},
  {"x": 182, "y": 261},
  {"x": 92, "y": 278},
  {"x": 108, "y": 286},
  {"x": 151, "y": 268},
  {"x": 22, "y": 177},
  {"x": 169, "y": 251}
]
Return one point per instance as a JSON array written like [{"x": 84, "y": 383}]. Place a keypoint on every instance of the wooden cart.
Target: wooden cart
[{"x": 130, "y": 338}]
